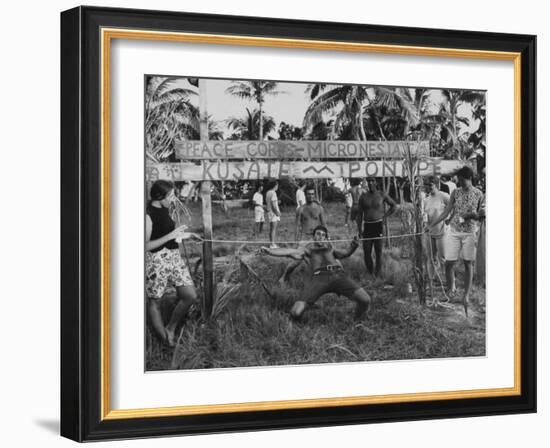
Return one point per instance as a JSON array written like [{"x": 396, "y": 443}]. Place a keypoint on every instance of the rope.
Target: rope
[
  {"x": 294, "y": 241},
  {"x": 435, "y": 301}
]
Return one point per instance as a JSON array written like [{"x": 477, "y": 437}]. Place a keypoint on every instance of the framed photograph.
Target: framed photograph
[{"x": 273, "y": 224}]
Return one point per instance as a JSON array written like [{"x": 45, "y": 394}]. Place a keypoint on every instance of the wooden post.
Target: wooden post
[{"x": 207, "y": 259}]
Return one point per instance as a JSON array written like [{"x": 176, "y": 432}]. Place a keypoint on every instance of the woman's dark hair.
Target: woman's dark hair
[
  {"x": 160, "y": 189},
  {"x": 258, "y": 186}
]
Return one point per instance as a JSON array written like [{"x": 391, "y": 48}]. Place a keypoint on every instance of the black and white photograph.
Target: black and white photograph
[{"x": 293, "y": 223}]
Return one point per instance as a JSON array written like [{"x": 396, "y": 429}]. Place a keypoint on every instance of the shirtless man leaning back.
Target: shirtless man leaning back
[{"x": 327, "y": 273}]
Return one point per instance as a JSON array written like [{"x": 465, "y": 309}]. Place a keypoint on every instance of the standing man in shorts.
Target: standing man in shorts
[
  {"x": 258, "y": 203},
  {"x": 356, "y": 191},
  {"x": 273, "y": 212},
  {"x": 434, "y": 205},
  {"x": 300, "y": 194},
  {"x": 327, "y": 273},
  {"x": 372, "y": 212},
  {"x": 467, "y": 203},
  {"x": 348, "y": 200}
]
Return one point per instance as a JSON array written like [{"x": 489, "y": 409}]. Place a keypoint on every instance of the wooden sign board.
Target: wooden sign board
[
  {"x": 260, "y": 169},
  {"x": 298, "y": 150}
]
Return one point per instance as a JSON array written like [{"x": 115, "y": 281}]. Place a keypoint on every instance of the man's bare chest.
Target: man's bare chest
[
  {"x": 372, "y": 201},
  {"x": 310, "y": 213}
]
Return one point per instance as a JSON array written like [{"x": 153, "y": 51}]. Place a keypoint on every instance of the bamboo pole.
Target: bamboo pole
[{"x": 206, "y": 199}]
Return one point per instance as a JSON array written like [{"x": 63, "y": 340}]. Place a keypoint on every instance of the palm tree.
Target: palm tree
[
  {"x": 345, "y": 100},
  {"x": 169, "y": 114},
  {"x": 250, "y": 127},
  {"x": 254, "y": 91},
  {"x": 214, "y": 131},
  {"x": 449, "y": 109},
  {"x": 288, "y": 131},
  {"x": 395, "y": 111}
]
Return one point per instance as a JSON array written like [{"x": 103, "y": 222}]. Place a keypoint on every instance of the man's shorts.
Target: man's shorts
[
  {"x": 162, "y": 269},
  {"x": 337, "y": 282},
  {"x": 272, "y": 217},
  {"x": 259, "y": 214},
  {"x": 373, "y": 229},
  {"x": 461, "y": 245}
]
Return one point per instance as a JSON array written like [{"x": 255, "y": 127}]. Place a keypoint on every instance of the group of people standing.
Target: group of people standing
[
  {"x": 451, "y": 225},
  {"x": 453, "y": 222},
  {"x": 451, "y": 232}
]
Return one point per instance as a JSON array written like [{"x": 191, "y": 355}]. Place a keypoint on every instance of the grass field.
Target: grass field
[{"x": 252, "y": 328}]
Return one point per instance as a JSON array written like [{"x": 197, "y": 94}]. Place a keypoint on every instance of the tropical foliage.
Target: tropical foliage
[
  {"x": 342, "y": 103},
  {"x": 255, "y": 91},
  {"x": 169, "y": 114},
  {"x": 334, "y": 112},
  {"x": 250, "y": 127},
  {"x": 290, "y": 132},
  {"x": 348, "y": 112}
]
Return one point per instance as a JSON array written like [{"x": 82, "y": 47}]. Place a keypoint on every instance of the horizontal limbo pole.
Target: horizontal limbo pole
[
  {"x": 260, "y": 169},
  {"x": 299, "y": 150}
]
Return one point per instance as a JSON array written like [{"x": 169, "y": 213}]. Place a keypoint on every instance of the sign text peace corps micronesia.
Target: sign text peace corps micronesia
[
  {"x": 298, "y": 150},
  {"x": 238, "y": 170}
]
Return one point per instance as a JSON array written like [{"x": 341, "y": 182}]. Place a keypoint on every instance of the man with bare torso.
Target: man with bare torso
[
  {"x": 327, "y": 273},
  {"x": 372, "y": 212},
  {"x": 309, "y": 216},
  {"x": 355, "y": 191}
]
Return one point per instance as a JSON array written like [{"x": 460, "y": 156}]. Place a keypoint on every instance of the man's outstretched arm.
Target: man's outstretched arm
[
  {"x": 347, "y": 253},
  {"x": 296, "y": 254}
]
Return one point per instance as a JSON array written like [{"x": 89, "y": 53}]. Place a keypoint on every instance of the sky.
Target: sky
[{"x": 288, "y": 106}]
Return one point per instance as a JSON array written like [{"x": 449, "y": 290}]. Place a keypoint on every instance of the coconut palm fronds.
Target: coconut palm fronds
[{"x": 179, "y": 212}]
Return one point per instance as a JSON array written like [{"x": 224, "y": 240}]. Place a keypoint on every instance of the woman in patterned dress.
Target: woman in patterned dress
[{"x": 163, "y": 263}]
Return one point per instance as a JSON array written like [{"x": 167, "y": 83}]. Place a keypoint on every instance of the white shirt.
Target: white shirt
[
  {"x": 258, "y": 199},
  {"x": 271, "y": 201},
  {"x": 434, "y": 205},
  {"x": 300, "y": 198},
  {"x": 451, "y": 185}
]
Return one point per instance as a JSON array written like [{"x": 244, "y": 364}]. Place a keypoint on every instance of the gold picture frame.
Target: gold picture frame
[{"x": 105, "y": 26}]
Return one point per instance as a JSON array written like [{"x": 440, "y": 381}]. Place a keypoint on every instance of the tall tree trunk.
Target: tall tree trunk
[
  {"x": 361, "y": 124},
  {"x": 380, "y": 128},
  {"x": 261, "y": 121}
]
